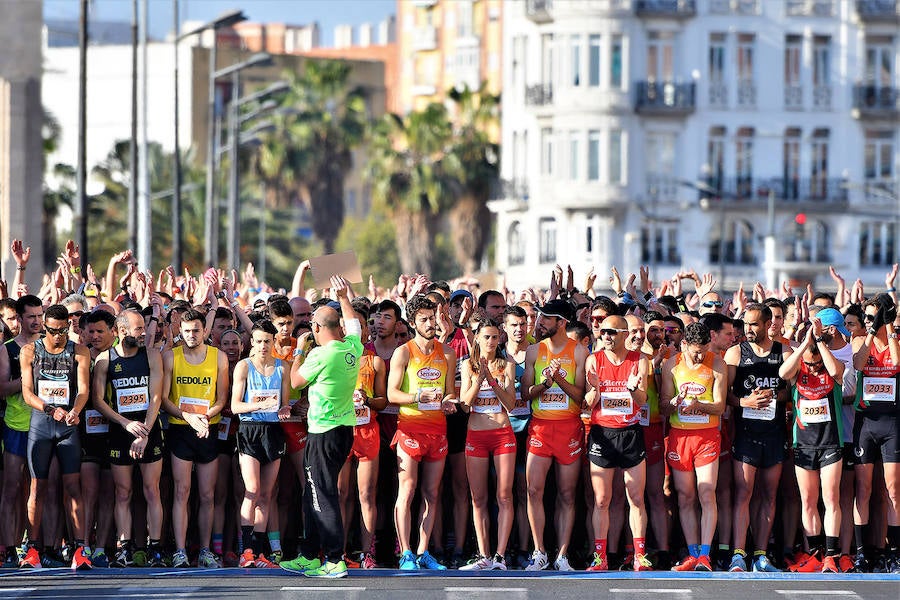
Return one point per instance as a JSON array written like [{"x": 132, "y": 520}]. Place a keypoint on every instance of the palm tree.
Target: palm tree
[
  {"x": 413, "y": 179},
  {"x": 58, "y": 195},
  {"x": 476, "y": 163}
]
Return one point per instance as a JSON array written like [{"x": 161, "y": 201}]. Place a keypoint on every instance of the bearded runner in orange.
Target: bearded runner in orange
[
  {"x": 694, "y": 387},
  {"x": 554, "y": 383},
  {"x": 421, "y": 382}
]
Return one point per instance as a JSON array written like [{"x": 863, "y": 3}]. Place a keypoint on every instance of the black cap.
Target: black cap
[{"x": 558, "y": 308}]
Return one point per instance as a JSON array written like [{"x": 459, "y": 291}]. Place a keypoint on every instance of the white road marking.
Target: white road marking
[
  {"x": 16, "y": 592},
  {"x": 847, "y": 593},
  {"x": 484, "y": 589},
  {"x": 649, "y": 591},
  {"x": 322, "y": 589}
]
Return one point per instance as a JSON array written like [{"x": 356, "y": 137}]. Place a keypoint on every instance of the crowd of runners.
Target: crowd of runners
[{"x": 163, "y": 419}]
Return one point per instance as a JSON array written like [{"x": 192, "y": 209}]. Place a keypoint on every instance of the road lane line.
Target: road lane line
[{"x": 649, "y": 591}]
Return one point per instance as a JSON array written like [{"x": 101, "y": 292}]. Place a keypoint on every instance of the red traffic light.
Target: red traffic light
[{"x": 800, "y": 219}]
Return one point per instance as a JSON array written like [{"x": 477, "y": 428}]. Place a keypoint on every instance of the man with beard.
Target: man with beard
[
  {"x": 30, "y": 314},
  {"x": 126, "y": 391},
  {"x": 55, "y": 384},
  {"x": 421, "y": 381},
  {"x": 302, "y": 313},
  {"x": 194, "y": 391},
  {"x": 758, "y": 394},
  {"x": 554, "y": 383}
]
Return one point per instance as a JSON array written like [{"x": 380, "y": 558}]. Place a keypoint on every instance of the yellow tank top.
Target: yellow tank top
[
  {"x": 650, "y": 411},
  {"x": 554, "y": 404},
  {"x": 694, "y": 382},
  {"x": 194, "y": 386},
  {"x": 424, "y": 371}
]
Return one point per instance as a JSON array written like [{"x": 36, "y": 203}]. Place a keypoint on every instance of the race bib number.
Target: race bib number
[
  {"x": 363, "y": 414},
  {"x": 521, "y": 408},
  {"x": 223, "y": 425},
  {"x": 879, "y": 389},
  {"x": 760, "y": 414},
  {"x": 486, "y": 403},
  {"x": 692, "y": 415},
  {"x": 129, "y": 400},
  {"x": 94, "y": 422},
  {"x": 644, "y": 413},
  {"x": 554, "y": 399},
  {"x": 54, "y": 393},
  {"x": 615, "y": 404},
  {"x": 194, "y": 406},
  {"x": 815, "y": 411},
  {"x": 433, "y": 404},
  {"x": 271, "y": 396}
]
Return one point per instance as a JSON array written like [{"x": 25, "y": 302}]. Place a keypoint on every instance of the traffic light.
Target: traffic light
[{"x": 800, "y": 219}]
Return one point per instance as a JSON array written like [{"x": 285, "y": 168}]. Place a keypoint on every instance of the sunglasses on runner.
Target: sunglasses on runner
[
  {"x": 711, "y": 303},
  {"x": 813, "y": 365},
  {"x": 56, "y": 330},
  {"x": 612, "y": 332}
]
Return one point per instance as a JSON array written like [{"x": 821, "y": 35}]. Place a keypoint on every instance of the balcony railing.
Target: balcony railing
[
  {"x": 876, "y": 101},
  {"x": 810, "y": 8},
  {"x": 884, "y": 191},
  {"x": 746, "y": 93},
  {"x": 677, "y": 9},
  {"x": 878, "y": 11},
  {"x": 793, "y": 96},
  {"x": 539, "y": 11},
  {"x": 509, "y": 189},
  {"x": 718, "y": 94},
  {"x": 822, "y": 97},
  {"x": 816, "y": 190},
  {"x": 539, "y": 95},
  {"x": 734, "y": 7},
  {"x": 662, "y": 188},
  {"x": 665, "y": 98}
]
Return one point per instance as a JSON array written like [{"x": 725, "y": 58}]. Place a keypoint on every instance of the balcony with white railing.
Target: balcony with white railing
[
  {"x": 810, "y": 8},
  {"x": 878, "y": 11},
  {"x": 734, "y": 7},
  {"x": 539, "y": 11}
]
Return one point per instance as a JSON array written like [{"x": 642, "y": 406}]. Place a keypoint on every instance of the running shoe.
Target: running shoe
[
  {"x": 479, "y": 563},
  {"x": 208, "y": 560},
  {"x": 367, "y": 561},
  {"x": 351, "y": 564},
  {"x": 12, "y": 559},
  {"x": 300, "y": 564},
  {"x": 154, "y": 558},
  {"x": 829, "y": 565},
  {"x": 811, "y": 565},
  {"x": 408, "y": 561},
  {"x": 861, "y": 564},
  {"x": 763, "y": 565},
  {"x": 99, "y": 559},
  {"x": 457, "y": 561},
  {"x": 723, "y": 561},
  {"x": 628, "y": 562},
  {"x": 122, "y": 559},
  {"x": 738, "y": 564},
  {"x": 562, "y": 563},
  {"x": 703, "y": 564},
  {"x": 427, "y": 561},
  {"x": 642, "y": 563},
  {"x": 599, "y": 563},
  {"x": 329, "y": 570},
  {"x": 499, "y": 562},
  {"x": 48, "y": 561},
  {"x": 276, "y": 556},
  {"x": 539, "y": 561},
  {"x": 231, "y": 559},
  {"x": 688, "y": 564},
  {"x": 247, "y": 560},
  {"x": 264, "y": 563},
  {"x": 140, "y": 558},
  {"x": 80, "y": 560},
  {"x": 31, "y": 559},
  {"x": 180, "y": 560},
  {"x": 845, "y": 563},
  {"x": 795, "y": 559}
]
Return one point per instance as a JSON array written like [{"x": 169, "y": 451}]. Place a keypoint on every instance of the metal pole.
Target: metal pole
[
  {"x": 133, "y": 140},
  {"x": 177, "y": 259},
  {"x": 262, "y": 233},
  {"x": 210, "y": 250},
  {"x": 144, "y": 255},
  {"x": 769, "y": 247},
  {"x": 81, "y": 203},
  {"x": 234, "y": 225}
]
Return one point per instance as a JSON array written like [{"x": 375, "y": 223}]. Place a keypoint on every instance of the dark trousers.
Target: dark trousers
[{"x": 324, "y": 456}]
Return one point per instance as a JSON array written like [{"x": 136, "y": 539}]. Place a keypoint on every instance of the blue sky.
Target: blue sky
[{"x": 328, "y": 13}]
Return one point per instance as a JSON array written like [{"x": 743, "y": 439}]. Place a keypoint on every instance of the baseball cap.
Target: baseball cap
[
  {"x": 831, "y": 316},
  {"x": 461, "y": 294},
  {"x": 557, "y": 308},
  {"x": 261, "y": 297}
]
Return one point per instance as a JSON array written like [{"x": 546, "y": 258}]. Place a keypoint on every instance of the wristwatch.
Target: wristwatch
[{"x": 49, "y": 410}]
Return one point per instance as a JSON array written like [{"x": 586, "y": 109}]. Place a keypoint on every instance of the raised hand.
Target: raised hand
[{"x": 21, "y": 254}]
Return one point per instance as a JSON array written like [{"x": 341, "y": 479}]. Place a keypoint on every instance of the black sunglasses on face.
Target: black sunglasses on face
[{"x": 56, "y": 330}]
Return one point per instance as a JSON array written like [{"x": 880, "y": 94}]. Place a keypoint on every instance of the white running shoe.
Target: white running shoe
[
  {"x": 539, "y": 561},
  {"x": 562, "y": 563}
]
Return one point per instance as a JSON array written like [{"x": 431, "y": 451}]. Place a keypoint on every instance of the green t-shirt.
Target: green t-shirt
[{"x": 331, "y": 371}]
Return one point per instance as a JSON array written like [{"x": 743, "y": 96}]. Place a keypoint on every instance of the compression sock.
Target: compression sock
[
  {"x": 217, "y": 543},
  {"x": 640, "y": 546},
  {"x": 816, "y": 542},
  {"x": 704, "y": 550},
  {"x": 600, "y": 546},
  {"x": 274, "y": 540},
  {"x": 832, "y": 545},
  {"x": 694, "y": 550}
]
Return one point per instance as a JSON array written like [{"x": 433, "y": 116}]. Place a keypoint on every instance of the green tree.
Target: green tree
[{"x": 58, "y": 188}]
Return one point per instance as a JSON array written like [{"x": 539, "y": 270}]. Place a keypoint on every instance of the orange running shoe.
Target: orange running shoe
[
  {"x": 703, "y": 564},
  {"x": 845, "y": 563},
  {"x": 31, "y": 559},
  {"x": 80, "y": 560},
  {"x": 829, "y": 565},
  {"x": 688, "y": 564},
  {"x": 247, "y": 560},
  {"x": 264, "y": 563},
  {"x": 795, "y": 560},
  {"x": 351, "y": 564},
  {"x": 812, "y": 565}
]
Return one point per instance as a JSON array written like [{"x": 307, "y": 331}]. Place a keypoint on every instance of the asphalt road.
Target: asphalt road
[{"x": 197, "y": 584}]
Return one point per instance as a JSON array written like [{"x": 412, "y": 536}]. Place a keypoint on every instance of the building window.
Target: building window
[
  {"x": 547, "y": 240},
  {"x": 594, "y": 61},
  {"x": 616, "y": 161},
  {"x": 735, "y": 247},
  {"x": 808, "y": 242},
  {"x": 546, "y": 151},
  {"x": 715, "y": 158},
  {"x": 574, "y": 155},
  {"x": 746, "y": 59},
  {"x": 659, "y": 244},
  {"x": 516, "y": 244},
  {"x": 615, "y": 66},
  {"x": 575, "y": 55},
  {"x": 877, "y": 241},
  {"x": 660, "y": 164},
  {"x": 791, "y": 166},
  {"x": 589, "y": 239},
  {"x": 660, "y": 56},
  {"x": 880, "y": 61},
  {"x": 465, "y": 25},
  {"x": 593, "y": 165},
  {"x": 818, "y": 188},
  {"x": 793, "y": 60},
  {"x": 548, "y": 53},
  {"x": 822, "y": 71},
  {"x": 743, "y": 153},
  {"x": 718, "y": 90}
]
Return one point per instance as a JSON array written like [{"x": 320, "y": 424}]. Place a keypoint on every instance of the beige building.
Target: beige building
[{"x": 447, "y": 43}]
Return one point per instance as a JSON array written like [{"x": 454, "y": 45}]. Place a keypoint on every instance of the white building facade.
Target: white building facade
[{"x": 684, "y": 133}]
